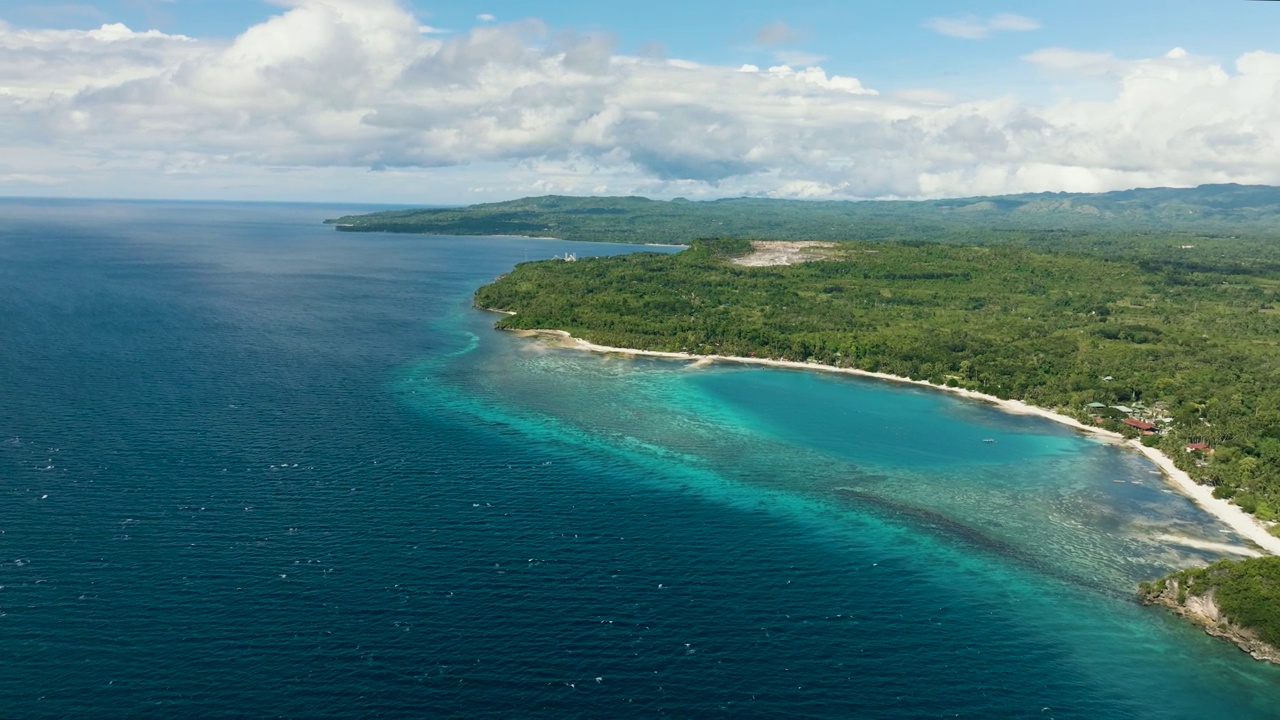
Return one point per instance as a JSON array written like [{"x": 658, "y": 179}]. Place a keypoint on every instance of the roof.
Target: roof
[
  {"x": 1141, "y": 425},
  {"x": 1123, "y": 408},
  {"x": 1096, "y": 405},
  {"x": 1198, "y": 446}
]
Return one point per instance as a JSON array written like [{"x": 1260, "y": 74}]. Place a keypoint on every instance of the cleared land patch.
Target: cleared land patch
[{"x": 767, "y": 253}]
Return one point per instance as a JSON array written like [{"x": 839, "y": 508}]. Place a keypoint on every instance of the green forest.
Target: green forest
[
  {"x": 1185, "y": 336},
  {"x": 1189, "y": 342},
  {"x": 1041, "y": 219},
  {"x": 1247, "y": 593},
  {"x": 1161, "y": 302}
]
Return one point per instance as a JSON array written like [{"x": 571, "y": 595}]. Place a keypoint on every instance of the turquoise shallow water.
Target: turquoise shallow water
[{"x": 251, "y": 466}]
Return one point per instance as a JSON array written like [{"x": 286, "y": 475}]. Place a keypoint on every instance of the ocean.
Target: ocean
[{"x": 251, "y": 466}]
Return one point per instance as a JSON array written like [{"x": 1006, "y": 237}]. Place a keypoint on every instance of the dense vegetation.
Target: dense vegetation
[
  {"x": 1247, "y": 592},
  {"x": 1157, "y": 299},
  {"x": 1190, "y": 335},
  {"x": 1210, "y": 209}
]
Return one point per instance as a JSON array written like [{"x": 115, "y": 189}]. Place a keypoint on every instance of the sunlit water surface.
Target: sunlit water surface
[{"x": 252, "y": 466}]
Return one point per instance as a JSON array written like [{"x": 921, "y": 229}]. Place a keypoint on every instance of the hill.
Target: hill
[
  {"x": 1185, "y": 347},
  {"x": 1208, "y": 209},
  {"x": 1194, "y": 352},
  {"x": 1235, "y": 600}
]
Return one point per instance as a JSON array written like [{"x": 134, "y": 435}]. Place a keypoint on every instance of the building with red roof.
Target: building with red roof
[{"x": 1142, "y": 425}]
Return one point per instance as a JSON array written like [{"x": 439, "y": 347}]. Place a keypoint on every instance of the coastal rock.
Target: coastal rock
[{"x": 1204, "y": 611}]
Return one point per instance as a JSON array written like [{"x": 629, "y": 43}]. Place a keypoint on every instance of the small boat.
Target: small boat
[
  {"x": 1118, "y": 482},
  {"x": 988, "y": 440}
]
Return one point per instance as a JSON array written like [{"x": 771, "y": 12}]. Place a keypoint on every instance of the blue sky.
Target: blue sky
[
  {"x": 870, "y": 38},
  {"x": 885, "y": 38},
  {"x": 991, "y": 54}
]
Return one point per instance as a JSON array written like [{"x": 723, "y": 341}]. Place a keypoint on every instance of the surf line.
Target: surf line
[{"x": 1230, "y": 515}]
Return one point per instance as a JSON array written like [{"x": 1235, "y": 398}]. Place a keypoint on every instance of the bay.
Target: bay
[{"x": 252, "y": 466}]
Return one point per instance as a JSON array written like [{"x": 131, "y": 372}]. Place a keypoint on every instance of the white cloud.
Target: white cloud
[
  {"x": 818, "y": 77},
  {"x": 1075, "y": 62},
  {"x": 1013, "y": 23},
  {"x": 972, "y": 27},
  {"x": 37, "y": 64},
  {"x": 330, "y": 89},
  {"x": 486, "y": 17},
  {"x": 27, "y": 179}
]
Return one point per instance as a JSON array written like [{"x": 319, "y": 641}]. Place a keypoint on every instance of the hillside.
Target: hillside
[
  {"x": 1058, "y": 330},
  {"x": 1237, "y": 601},
  {"x": 1191, "y": 349},
  {"x": 1208, "y": 209}
]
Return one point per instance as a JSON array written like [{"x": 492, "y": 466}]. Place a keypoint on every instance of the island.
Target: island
[
  {"x": 1148, "y": 315},
  {"x": 1057, "y": 220},
  {"x": 1181, "y": 360}
]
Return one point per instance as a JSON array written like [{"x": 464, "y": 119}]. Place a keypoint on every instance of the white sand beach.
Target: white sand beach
[{"x": 1231, "y": 515}]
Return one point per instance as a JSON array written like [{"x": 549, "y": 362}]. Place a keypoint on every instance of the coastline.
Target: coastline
[
  {"x": 1233, "y": 516},
  {"x": 1204, "y": 611}
]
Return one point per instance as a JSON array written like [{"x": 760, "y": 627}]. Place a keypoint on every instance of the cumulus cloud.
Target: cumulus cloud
[
  {"x": 818, "y": 77},
  {"x": 972, "y": 27},
  {"x": 343, "y": 86}
]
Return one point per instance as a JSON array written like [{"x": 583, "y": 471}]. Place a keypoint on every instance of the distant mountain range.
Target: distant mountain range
[{"x": 1209, "y": 209}]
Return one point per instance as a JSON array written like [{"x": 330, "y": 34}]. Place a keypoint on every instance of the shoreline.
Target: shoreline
[{"x": 1232, "y": 516}]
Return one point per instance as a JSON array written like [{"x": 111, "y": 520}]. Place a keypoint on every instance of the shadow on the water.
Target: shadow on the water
[
  {"x": 750, "y": 464},
  {"x": 940, "y": 524}
]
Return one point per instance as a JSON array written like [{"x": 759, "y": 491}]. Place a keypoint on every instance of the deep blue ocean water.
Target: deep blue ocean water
[{"x": 250, "y": 466}]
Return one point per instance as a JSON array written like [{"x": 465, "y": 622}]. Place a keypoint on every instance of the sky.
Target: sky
[{"x": 434, "y": 102}]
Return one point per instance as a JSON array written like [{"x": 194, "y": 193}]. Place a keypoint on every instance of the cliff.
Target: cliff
[{"x": 1189, "y": 595}]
